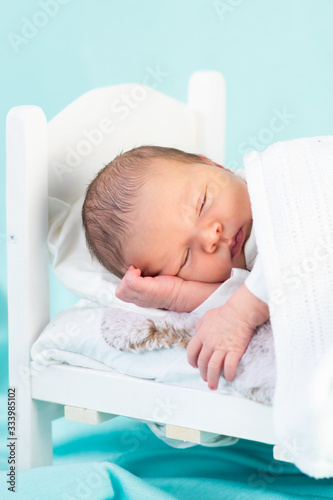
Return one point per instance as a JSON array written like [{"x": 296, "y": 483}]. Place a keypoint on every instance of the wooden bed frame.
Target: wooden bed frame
[{"x": 56, "y": 391}]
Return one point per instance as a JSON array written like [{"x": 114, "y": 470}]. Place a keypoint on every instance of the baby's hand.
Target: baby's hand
[
  {"x": 160, "y": 292},
  {"x": 223, "y": 335}
]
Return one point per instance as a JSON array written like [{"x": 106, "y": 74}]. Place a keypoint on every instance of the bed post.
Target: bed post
[
  {"x": 206, "y": 96},
  {"x": 28, "y": 281}
]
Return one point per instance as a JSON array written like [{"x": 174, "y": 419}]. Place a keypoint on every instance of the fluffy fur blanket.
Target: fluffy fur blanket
[{"x": 126, "y": 330}]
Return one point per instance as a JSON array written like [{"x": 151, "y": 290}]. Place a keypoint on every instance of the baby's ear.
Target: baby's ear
[{"x": 213, "y": 163}]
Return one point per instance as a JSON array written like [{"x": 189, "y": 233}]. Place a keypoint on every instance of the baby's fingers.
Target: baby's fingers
[
  {"x": 133, "y": 272},
  {"x": 214, "y": 370},
  {"x": 128, "y": 285},
  {"x": 193, "y": 351},
  {"x": 204, "y": 361},
  {"x": 133, "y": 278},
  {"x": 230, "y": 366}
]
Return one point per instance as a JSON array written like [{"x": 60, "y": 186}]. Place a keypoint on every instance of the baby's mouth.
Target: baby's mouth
[{"x": 237, "y": 243}]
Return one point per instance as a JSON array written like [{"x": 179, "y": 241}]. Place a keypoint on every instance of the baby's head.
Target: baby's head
[
  {"x": 108, "y": 211},
  {"x": 167, "y": 212}
]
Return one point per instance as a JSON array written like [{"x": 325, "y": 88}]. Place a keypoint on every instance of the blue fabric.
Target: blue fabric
[{"x": 122, "y": 459}]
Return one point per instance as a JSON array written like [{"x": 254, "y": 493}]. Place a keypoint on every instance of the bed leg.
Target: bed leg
[{"x": 34, "y": 433}]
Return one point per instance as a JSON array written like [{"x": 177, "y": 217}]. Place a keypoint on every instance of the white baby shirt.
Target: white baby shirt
[{"x": 255, "y": 282}]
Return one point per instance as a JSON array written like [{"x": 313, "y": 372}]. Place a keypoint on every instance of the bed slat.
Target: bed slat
[{"x": 87, "y": 415}]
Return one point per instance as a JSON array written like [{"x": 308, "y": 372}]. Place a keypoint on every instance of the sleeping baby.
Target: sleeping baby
[{"x": 172, "y": 225}]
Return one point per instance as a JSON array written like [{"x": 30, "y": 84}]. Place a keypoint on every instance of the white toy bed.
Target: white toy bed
[{"x": 73, "y": 372}]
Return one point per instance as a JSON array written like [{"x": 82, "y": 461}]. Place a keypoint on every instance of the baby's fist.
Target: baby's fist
[
  {"x": 129, "y": 288},
  {"x": 159, "y": 292}
]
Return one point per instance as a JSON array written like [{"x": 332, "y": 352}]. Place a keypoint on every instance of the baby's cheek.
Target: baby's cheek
[
  {"x": 222, "y": 265},
  {"x": 214, "y": 269}
]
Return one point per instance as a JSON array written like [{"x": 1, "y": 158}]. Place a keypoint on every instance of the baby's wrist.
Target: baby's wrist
[
  {"x": 259, "y": 312},
  {"x": 173, "y": 300},
  {"x": 249, "y": 308}
]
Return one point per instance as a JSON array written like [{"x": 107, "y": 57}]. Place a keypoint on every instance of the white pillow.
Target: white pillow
[{"x": 70, "y": 257}]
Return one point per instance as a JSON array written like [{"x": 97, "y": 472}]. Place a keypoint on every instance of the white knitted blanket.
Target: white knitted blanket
[{"x": 291, "y": 192}]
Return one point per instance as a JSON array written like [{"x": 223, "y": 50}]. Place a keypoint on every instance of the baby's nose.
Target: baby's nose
[{"x": 212, "y": 237}]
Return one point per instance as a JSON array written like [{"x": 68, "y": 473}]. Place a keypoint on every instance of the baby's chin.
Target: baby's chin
[{"x": 239, "y": 261}]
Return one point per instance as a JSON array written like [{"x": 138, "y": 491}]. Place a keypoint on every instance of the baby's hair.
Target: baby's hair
[{"x": 110, "y": 200}]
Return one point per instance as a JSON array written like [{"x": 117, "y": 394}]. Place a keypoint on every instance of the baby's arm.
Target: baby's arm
[
  {"x": 163, "y": 292},
  {"x": 223, "y": 334}
]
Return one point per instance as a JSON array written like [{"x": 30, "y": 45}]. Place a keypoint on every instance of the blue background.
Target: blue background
[{"x": 276, "y": 57}]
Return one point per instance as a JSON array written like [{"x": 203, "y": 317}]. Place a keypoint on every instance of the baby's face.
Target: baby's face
[{"x": 191, "y": 221}]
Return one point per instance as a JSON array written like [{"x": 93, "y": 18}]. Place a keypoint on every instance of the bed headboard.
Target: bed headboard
[{"x": 102, "y": 123}]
